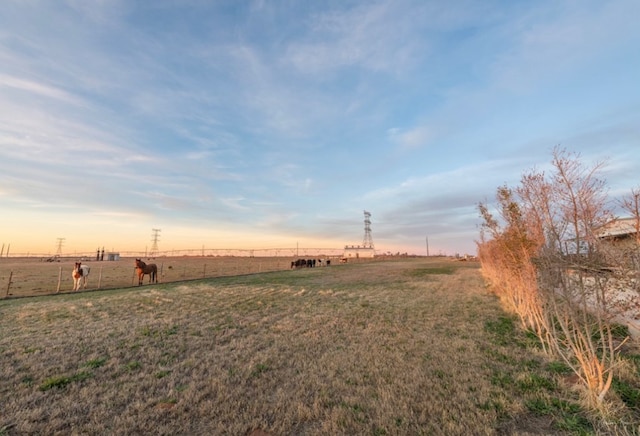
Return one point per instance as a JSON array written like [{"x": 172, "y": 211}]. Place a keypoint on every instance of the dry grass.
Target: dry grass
[
  {"x": 34, "y": 276},
  {"x": 403, "y": 347}
]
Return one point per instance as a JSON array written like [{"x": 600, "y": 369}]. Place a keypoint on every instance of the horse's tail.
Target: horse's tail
[{"x": 154, "y": 273}]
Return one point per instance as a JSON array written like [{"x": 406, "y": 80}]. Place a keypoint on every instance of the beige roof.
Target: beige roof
[{"x": 618, "y": 227}]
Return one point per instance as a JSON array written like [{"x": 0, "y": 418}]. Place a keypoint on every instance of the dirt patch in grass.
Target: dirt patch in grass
[{"x": 367, "y": 348}]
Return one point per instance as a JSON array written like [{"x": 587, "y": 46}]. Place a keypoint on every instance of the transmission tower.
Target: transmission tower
[
  {"x": 59, "y": 246},
  {"x": 367, "y": 242},
  {"x": 155, "y": 237}
]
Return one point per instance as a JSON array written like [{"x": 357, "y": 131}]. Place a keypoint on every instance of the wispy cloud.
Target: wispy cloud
[
  {"x": 564, "y": 38},
  {"x": 292, "y": 117},
  {"x": 38, "y": 89}
]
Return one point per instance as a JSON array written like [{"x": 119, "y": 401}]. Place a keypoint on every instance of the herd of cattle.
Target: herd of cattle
[
  {"x": 81, "y": 272},
  {"x": 309, "y": 263}
]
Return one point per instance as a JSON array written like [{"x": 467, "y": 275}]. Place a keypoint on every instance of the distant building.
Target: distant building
[
  {"x": 357, "y": 251},
  {"x": 113, "y": 256},
  {"x": 620, "y": 228},
  {"x": 367, "y": 249},
  {"x": 620, "y": 232}
]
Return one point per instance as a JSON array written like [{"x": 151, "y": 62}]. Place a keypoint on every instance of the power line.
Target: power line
[
  {"x": 59, "y": 245},
  {"x": 155, "y": 237},
  {"x": 367, "y": 242}
]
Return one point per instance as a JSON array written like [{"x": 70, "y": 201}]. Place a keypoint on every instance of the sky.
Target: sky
[{"x": 263, "y": 124}]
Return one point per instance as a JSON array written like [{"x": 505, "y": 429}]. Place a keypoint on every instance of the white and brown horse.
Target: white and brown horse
[
  {"x": 80, "y": 275},
  {"x": 142, "y": 269}
]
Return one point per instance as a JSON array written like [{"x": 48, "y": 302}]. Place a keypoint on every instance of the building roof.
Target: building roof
[{"x": 618, "y": 227}]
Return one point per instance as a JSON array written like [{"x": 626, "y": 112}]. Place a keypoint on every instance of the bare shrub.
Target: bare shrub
[
  {"x": 554, "y": 268},
  {"x": 507, "y": 263}
]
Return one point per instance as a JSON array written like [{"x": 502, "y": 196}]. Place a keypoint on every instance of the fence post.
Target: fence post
[
  {"x": 9, "y": 284},
  {"x": 59, "y": 278},
  {"x": 100, "y": 277},
  {"x": 204, "y": 271}
]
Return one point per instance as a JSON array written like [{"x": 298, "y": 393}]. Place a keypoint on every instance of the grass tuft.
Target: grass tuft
[
  {"x": 559, "y": 368},
  {"x": 133, "y": 365},
  {"x": 575, "y": 424},
  {"x": 60, "y": 382},
  {"x": 425, "y": 272},
  {"x": 96, "y": 363},
  {"x": 259, "y": 369},
  {"x": 550, "y": 406},
  {"x": 628, "y": 393},
  {"x": 503, "y": 329},
  {"x": 535, "y": 383},
  {"x": 162, "y": 374}
]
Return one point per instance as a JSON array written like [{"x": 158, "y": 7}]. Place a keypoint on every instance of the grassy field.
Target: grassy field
[
  {"x": 414, "y": 346},
  {"x": 31, "y": 276}
]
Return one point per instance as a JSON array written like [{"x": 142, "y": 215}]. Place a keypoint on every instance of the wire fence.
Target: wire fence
[
  {"x": 20, "y": 277},
  {"x": 102, "y": 254}
]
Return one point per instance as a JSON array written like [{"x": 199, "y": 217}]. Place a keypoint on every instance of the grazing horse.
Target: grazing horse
[
  {"x": 142, "y": 269},
  {"x": 80, "y": 274}
]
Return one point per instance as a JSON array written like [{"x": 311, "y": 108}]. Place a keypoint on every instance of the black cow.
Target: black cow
[{"x": 299, "y": 263}]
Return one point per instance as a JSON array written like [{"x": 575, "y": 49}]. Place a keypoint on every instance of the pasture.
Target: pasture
[
  {"x": 20, "y": 277},
  {"x": 412, "y": 346}
]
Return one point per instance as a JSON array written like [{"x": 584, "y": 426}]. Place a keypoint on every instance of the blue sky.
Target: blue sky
[{"x": 265, "y": 124}]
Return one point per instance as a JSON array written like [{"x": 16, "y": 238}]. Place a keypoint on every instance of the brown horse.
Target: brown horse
[{"x": 142, "y": 269}]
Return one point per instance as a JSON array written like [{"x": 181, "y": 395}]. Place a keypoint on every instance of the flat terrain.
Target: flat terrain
[
  {"x": 382, "y": 348},
  {"x": 36, "y": 276}
]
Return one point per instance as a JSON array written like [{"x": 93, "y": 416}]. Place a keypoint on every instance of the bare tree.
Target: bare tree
[
  {"x": 575, "y": 277},
  {"x": 551, "y": 234}
]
